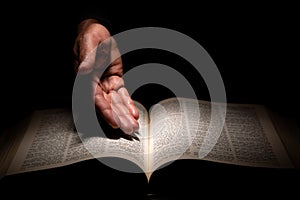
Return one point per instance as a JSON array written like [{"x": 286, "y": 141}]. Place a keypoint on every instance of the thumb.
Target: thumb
[
  {"x": 88, "y": 42},
  {"x": 86, "y": 65}
]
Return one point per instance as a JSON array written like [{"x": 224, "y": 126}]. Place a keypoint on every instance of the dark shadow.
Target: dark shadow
[
  {"x": 113, "y": 133},
  {"x": 107, "y": 130},
  {"x": 151, "y": 94}
]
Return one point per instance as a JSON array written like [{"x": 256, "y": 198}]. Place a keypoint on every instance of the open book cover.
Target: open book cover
[{"x": 248, "y": 138}]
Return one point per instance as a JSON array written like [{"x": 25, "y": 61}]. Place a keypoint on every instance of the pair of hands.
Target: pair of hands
[{"x": 111, "y": 98}]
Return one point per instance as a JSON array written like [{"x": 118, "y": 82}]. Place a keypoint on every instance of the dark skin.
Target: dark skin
[{"x": 111, "y": 98}]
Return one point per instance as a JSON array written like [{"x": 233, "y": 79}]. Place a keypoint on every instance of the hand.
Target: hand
[{"x": 93, "y": 48}]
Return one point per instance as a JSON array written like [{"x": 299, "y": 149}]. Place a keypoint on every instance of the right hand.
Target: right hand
[{"x": 111, "y": 98}]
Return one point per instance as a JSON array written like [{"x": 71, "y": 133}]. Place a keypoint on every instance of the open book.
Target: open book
[{"x": 248, "y": 138}]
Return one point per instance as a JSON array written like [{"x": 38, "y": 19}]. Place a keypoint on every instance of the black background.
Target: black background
[{"x": 253, "y": 46}]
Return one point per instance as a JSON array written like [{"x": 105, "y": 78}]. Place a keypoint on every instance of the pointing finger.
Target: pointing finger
[
  {"x": 127, "y": 101},
  {"x": 127, "y": 123}
]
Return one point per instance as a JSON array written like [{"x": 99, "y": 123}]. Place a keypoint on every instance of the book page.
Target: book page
[
  {"x": 169, "y": 132},
  {"x": 248, "y": 138},
  {"x": 51, "y": 141},
  {"x": 134, "y": 150},
  {"x": 289, "y": 133}
]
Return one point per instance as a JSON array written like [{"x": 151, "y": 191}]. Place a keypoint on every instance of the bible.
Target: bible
[{"x": 249, "y": 137}]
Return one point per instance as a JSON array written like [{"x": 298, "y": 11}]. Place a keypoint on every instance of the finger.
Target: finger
[
  {"x": 88, "y": 43},
  {"x": 127, "y": 101},
  {"x": 127, "y": 123},
  {"x": 102, "y": 54},
  {"x": 86, "y": 66},
  {"x": 107, "y": 53},
  {"x": 108, "y": 58},
  {"x": 114, "y": 69},
  {"x": 104, "y": 107},
  {"x": 112, "y": 83}
]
